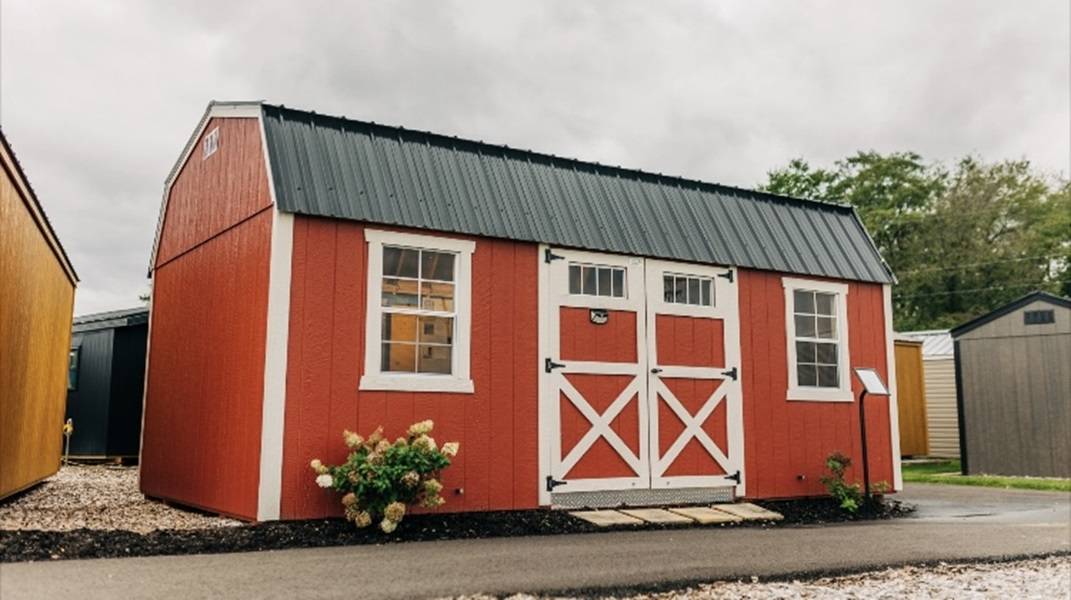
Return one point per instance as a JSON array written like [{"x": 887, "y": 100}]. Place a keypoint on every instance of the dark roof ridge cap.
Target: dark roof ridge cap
[
  {"x": 1011, "y": 306},
  {"x": 618, "y": 170}
]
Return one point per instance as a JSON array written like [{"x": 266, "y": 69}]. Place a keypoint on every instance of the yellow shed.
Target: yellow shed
[
  {"x": 36, "y": 303},
  {"x": 911, "y": 398}
]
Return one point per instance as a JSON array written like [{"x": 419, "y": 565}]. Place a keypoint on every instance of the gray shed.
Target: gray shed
[{"x": 1013, "y": 384}]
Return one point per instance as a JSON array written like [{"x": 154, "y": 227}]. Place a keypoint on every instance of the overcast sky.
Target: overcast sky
[{"x": 98, "y": 98}]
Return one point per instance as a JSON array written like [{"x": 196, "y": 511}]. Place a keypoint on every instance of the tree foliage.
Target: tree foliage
[{"x": 961, "y": 240}]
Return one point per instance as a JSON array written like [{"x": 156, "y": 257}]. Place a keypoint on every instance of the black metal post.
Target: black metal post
[{"x": 862, "y": 430}]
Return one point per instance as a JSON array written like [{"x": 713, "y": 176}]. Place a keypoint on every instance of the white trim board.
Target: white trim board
[
  {"x": 276, "y": 349},
  {"x": 894, "y": 409}
]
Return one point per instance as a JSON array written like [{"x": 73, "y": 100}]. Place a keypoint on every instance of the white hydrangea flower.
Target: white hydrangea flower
[
  {"x": 421, "y": 428},
  {"x": 325, "y": 480},
  {"x": 451, "y": 448},
  {"x": 388, "y": 526}
]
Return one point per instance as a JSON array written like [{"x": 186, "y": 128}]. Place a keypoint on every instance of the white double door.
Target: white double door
[{"x": 640, "y": 383}]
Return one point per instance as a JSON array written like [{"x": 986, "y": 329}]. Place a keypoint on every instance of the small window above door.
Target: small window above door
[
  {"x": 687, "y": 289},
  {"x": 597, "y": 280}
]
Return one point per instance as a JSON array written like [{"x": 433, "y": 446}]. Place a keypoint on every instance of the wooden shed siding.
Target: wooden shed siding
[
  {"x": 1017, "y": 395},
  {"x": 36, "y": 304},
  {"x": 213, "y": 194},
  {"x": 911, "y": 399},
  {"x": 942, "y": 418},
  {"x": 204, "y": 396},
  {"x": 784, "y": 439},
  {"x": 497, "y": 467}
]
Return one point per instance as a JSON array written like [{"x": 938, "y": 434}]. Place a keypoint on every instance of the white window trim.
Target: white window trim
[
  {"x": 459, "y": 380},
  {"x": 843, "y": 392},
  {"x": 211, "y": 143}
]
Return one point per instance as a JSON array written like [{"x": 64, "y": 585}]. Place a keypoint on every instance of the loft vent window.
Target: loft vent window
[
  {"x": 211, "y": 143},
  {"x": 1039, "y": 317},
  {"x": 596, "y": 280}
]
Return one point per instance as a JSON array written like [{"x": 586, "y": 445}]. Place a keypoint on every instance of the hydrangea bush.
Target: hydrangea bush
[{"x": 380, "y": 480}]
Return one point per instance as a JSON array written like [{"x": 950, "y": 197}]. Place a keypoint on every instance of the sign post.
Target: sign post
[{"x": 874, "y": 386}]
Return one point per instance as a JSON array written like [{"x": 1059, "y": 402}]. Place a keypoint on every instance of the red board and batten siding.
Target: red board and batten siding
[
  {"x": 784, "y": 439},
  {"x": 497, "y": 467},
  {"x": 205, "y": 376}
]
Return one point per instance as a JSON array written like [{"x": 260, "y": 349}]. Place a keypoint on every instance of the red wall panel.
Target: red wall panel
[
  {"x": 785, "y": 439},
  {"x": 215, "y": 193},
  {"x": 206, "y": 373},
  {"x": 496, "y": 426}
]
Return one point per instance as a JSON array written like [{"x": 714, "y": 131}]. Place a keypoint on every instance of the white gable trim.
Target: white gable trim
[{"x": 894, "y": 411}]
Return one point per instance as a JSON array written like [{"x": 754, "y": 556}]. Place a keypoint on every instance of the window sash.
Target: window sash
[{"x": 816, "y": 313}]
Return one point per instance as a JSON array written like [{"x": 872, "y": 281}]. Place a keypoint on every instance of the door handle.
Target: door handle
[{"x": 656, "y": 371}]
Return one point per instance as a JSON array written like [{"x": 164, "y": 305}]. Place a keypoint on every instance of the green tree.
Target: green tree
[{"x": 962, "y": 241}]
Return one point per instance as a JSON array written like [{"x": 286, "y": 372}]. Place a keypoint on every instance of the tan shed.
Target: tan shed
[
  {"x": 36, "y": 302},
  {"x": 1013, "y": 377},
  {"x": 939, "y": 382},
  {"x": 911, "y": 398}
]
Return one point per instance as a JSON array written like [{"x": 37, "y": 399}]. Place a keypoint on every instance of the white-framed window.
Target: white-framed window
[
  {"x": 211, "y": 143},
  {"x": 597, "y": 280},
  {"x": 687, "y": 289},
  {"x": 418, "y": 321},
  {"x": 816, "y": 320}
]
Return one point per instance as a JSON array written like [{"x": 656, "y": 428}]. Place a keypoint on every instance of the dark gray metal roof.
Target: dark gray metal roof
[
  {"x": 112, "y": 319},
  {"x": 336, "y": 167}
]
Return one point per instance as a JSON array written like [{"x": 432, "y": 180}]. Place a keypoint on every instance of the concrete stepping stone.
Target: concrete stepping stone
[
  {"x": 749, "y": 512},
  {"x": 656, "y": 515},
  {"x": 706, "y": 516},
  {"x": 606, "y": 518}
]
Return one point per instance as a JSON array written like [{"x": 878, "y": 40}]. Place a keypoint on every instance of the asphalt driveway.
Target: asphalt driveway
[{"x": 953, "y": 523}]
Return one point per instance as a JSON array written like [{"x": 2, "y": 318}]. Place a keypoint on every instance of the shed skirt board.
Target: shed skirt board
[{"x": 638, "y": 391}]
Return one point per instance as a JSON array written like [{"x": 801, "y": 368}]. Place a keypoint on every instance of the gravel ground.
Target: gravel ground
[
  {"x": 100, "y": 497},
  {"x": 1036, "y": 578}
]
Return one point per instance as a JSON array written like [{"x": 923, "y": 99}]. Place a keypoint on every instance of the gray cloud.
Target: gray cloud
[{"x": 98, "y": 98}]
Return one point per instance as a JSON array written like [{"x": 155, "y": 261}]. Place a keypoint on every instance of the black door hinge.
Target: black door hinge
[
  {"x": 732, "y": 373},
  {"x": 550, "y": 365},
  {"x": 549, "y": 255},
  {"x": 553, "y": 483},
  {"x": 727, "y": 275},
  {"x": 735, "y": 476}
]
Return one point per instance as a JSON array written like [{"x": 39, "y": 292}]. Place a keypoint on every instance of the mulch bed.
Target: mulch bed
[{"x": 29, "y": 545}]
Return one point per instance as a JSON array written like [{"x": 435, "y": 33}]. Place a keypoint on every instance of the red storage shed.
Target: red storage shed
[{"x": 591, "y": 335}]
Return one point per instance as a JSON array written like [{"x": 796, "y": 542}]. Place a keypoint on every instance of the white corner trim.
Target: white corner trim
[
  {"x": 459, "y": 381},
  {"x": 543, "y": 403},
  {"x": 894, "y": 409},
  {"x": 269, "y": 494},
  {"x": 842, "y": 393}
]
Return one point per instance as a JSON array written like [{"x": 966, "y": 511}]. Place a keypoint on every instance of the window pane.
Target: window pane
[
  {"x": 399, "y": 358},
  {"x": 804, "y": 326},
  {"x": 693, "y": 291},
  {"x": 680, "y": 293},
  {"x": 827, "y": 328},
  {"x": 574, "y": 279},
  {"x": 803, "y": 301},
  {"x": 436, "y": 265},
  {"x": 437, "y": 296},
  {"x": 436, "y": 330},
  {"x": 705, "y": 299},
  {"x": 805, "y": 352},
  {"x": 434, "y": 359},
  {"x": 604, "y": 281},
  {"x": 807, "y": 375},
  {"x": 588, "y": 276},
  {"x": 399, "y": 328},
  {"x": 619, "y": 283},
  {"x": 399, "y": 292},
  {"x": 667, "y": 288},
  {"x": 826, "y": 354},
  {"x": 400, "y": 262},
  {"x": 824, "y": 304},
  {"x": 827, "y": 377}
]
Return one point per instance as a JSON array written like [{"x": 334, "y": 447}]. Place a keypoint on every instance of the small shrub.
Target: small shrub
[
  {"x": 380, "y": 480},
  {"x": 848, "y": 495}
]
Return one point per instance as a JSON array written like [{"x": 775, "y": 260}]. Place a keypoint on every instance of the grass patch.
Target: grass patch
[{"x": 948, "y": 472}]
